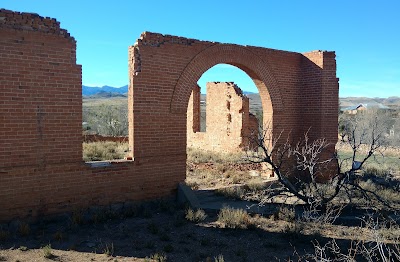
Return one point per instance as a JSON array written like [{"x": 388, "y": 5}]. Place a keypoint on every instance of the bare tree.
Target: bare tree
[
  {"x": 379, "y": 247},
  {"x": 109, "y": 120},
  {"x": 303, "y": 170},
  {"x": 344, "y": 126}
]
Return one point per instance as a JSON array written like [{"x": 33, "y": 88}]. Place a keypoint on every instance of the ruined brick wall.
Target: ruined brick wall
[
  {"x": 194, "y": 112},
  {"x": 41, "y": 167},
  {"x": 297, "y": 92},
  {"x": 39, "y": 71},
  {"x": 253, "y": 127},
  {"x": 228, "y": 122}
]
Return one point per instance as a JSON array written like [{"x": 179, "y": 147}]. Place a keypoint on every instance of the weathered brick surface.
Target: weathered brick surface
[
  {"x": 41, "y": 167},
  {"x": 229, "y": 123},
  {"x": 297, "y": 93}
]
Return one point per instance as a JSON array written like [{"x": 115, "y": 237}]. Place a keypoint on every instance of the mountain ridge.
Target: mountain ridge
[
  {"x": 93, "y": 90},
  {"x": 109, "y": 91}
]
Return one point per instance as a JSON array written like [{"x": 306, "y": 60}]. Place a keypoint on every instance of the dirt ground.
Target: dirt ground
[
  {"x": 159, "y": 231},
  {"x": 159, "y": 228}
]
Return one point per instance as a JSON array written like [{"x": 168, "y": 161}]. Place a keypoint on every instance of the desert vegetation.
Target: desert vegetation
[
  {"x": 106, "y": 150},
  {"x": 108, "y": 118},
  {"x": 360, "y": 223}
]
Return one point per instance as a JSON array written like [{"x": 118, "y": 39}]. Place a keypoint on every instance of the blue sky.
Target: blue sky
[{"x": 365, "y": 34}]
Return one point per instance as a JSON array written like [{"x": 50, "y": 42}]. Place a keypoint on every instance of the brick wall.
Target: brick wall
[
  {"x": 289, "y": 83},
  {"x": 41, "y": 167},
  {"x": 229, "y": 123},
  {"x": 40, "y": 84}
]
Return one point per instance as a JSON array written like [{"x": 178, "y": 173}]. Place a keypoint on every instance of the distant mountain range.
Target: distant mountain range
[
  {"x": 109, "y": 91},
  {"x": 104, "y": 91},
  {"x": 390, "y": 102}
]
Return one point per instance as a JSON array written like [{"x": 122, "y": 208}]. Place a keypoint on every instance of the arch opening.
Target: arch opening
[
  {"x": 225, "y": 99},
  {"x": 231, "y": 100}
]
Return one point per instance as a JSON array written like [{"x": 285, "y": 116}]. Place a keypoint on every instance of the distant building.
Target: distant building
[{"x": 352, "y": 110}]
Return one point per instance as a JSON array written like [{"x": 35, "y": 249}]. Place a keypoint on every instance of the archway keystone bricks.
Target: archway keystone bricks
[{"x": 41, "y": 166}]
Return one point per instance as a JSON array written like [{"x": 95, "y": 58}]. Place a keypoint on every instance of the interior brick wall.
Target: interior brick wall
[
  {"x": 229, "y": 123},
  {"x": 41, "y": 166}
]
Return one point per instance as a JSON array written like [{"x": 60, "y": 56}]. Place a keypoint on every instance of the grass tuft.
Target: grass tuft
[
  {"x": 203, "y": 156},
  {"x": 159, "y": 257},
  {"x": 234, "y": 218},
  {"x": 195, "y": 216},
  {"x": 47, "y": 251}
]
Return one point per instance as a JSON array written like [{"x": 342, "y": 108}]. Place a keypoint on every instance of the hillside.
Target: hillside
[
  {"x": 255, "y": 102},
  {"x": 391, "y": 102},
  {"x": 104, "y": 91}
]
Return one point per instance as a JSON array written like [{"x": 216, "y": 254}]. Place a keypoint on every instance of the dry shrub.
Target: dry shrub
[
  {"x": 47, "y": 252},
  {"x": 234, "y": 218},
  {"x": 235, "y": 192},
  {"x": 204, "y": 177},
  {"x": 159, "y": 257},
  {"x": 203, "y": 156},
  {"x": 381, "y": 244},
  {"x": 285, "y": 213},
  {"x": 98, "y": 151},
  {"x": 219, "y": 258},
  {"x": 255, "y": 185},
  {"x": 237, "y": 178},
  {"x": 195, "y": 216}
]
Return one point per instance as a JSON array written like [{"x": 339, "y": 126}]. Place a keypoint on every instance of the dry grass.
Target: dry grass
[
  {"x": 195, "y": 216},
  {"x": 387, "y": 160},
  {"x": 207, "y": 170},
  {"x": 203, "y": 156},
  {"x": 98, "y": 151},
  {"x": 233, "y": 218},
  {"x": 128, "y": 238},
  {"x": 235, "y": 192}
]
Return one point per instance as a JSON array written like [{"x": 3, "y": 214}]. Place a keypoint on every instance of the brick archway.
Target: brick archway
[
  {"x": 302, "y": 89},
  {"x": 298, "y": 91},
  {"x": 235, "y": 55}
]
